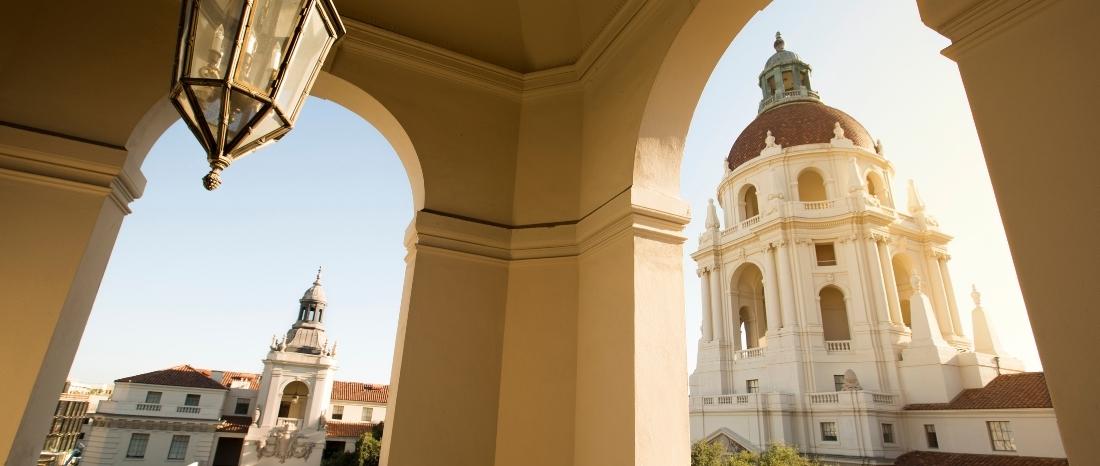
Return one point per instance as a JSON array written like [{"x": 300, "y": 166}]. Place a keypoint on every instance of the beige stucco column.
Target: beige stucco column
[
  {"x": 949, "y": 288},
  {"x": 786, "y": 285},
  {"x": 771, "y": 291},
  {"x": 61, "y": 206},
  {"x": 939, "y": 295},
  {"x": 716, "y": 311},
  {"x": 890, "y": 282},
  {"x": 1009, "y": 55},
  {"x": 704, "y": 282},
  {"x": 878, "y": 287}
]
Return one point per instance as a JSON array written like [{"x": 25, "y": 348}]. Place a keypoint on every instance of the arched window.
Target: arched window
[
  {"x": 811, "y": 187},
  {"x": 834, "y": 315},
  {"x": 750, "y": 207},
  {"x": 294, "y": 401}
]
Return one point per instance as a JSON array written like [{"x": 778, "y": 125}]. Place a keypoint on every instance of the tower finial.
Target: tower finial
[
  {"x": 317, "y": 281},
  {"x": 778, "y": 42},
  {"x": 976, "y": 295}
]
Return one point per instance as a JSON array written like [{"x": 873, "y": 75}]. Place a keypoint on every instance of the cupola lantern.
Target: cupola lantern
[{"x": 243, "y": 69}]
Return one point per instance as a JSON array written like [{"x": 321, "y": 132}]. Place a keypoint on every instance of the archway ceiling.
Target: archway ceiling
[
  {"x": 521, "y": 35},
  {"x": 66, "y": 65}
]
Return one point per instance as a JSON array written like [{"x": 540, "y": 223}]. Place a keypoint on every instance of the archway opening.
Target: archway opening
[
  {"x": 748, "y": 299},
  {"x": 811, "y": 187},
  {"x": 876, "y": 187},
  {"x": 834, "y": 314},
  {"x": 902, "y": 266},
  {"x": 750, "y": 207},
  {"x": 294, "y": 401}
]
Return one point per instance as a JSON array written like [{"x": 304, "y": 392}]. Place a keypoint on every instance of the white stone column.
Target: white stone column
[
  {"x": 939, "y": 296},
  {"x": 879, "y": 298},
  {"x": 891, "y": 284},
  {"x": 771, "y": 291},
  {"x": 716, "y": 303},
  {"x": 786, "y": 285},
  {"x": 704, "y": 281},
  {"x": 948, "y": 287}
]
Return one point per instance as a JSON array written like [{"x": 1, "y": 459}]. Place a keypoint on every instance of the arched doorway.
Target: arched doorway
[
  {"x": 834, "y": 314},
  {"x": 747, "y": 296},
  {"x": 811, "y": 186},
  {"x": 294, "y": 401}
]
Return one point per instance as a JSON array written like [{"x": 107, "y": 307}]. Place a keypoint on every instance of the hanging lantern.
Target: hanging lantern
[{"x": 244, "y": 68}]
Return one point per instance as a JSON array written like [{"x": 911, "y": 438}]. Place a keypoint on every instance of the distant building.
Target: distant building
[
  {"x": 65, "y": 429},
  {"x": 829, "y": 316},
  {"x": 292, "y": 413}
]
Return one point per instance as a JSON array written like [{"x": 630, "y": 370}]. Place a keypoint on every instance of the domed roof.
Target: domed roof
[
  {"x": 793, "y": 124},
  {"x": 315, "y": 292},
  {"x": 782, "y": 57}
]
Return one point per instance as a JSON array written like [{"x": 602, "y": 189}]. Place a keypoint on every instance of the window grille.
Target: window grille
[
  {"x": 1000, "y": 435},
  {"x": 828, "y": 431},
  {"x": 178, "y": 449},
  {"x": 138, "y": 442}
]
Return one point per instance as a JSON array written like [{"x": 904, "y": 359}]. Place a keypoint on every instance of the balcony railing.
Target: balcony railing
[
  {"x": 750, "y": 221},
  {"x": 852, "y": 398},
  {"x": 817, "y": 205},
  {"x": 288, "y": 422},
  {"x": 188, "y": 409},
  {"x": 748, "y": 353},
  {"x": 838, "y": 346},
  {"x": 147, "y": 407}
]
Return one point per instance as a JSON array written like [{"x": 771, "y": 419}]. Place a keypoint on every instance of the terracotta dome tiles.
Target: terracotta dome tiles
[{"x": 795, "y": 124}]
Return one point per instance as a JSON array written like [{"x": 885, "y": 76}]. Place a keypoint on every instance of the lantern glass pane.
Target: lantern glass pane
[
  {"x": 242, "y": 110},
  {"x": 304, "y": 61},
  {"x": 211, "y": 102},
  {"x": 216, "y": 27},
  {"x": 268, "y": 124},
  {"x": 188, "y": 113},
  {"x": 265, "y": 42}
]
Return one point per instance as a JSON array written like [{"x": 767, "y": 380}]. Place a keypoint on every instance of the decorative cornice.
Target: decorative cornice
[
  {"x": 68, "y": 163},
  {"x": 983, "y": 21}
]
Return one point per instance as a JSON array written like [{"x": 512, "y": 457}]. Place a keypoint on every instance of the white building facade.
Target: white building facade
[
  {"x": 293, "y": 413},
  {"x": 827, "y": 310}
]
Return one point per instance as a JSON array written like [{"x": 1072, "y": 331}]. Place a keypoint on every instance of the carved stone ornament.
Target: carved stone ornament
[
  {"x": 838, "y": 132},
  {"x": 851, "y": 382},
  {"x": 283, "y": 444},
  {"x": 769, "y": 140}
]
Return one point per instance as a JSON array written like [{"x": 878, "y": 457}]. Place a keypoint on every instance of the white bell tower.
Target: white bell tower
[{"x": 288, "y": 425}]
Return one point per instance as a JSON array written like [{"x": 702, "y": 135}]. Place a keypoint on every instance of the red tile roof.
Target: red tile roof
[
  {"x": 356, "y": 391},
  {"x": 228, "y": 377},
  {"x": 179, "y": 376},
  {"x": 795, "y": 124},
  {"x": 1007, "y": 391},
  {"x": 235, "y": 424},
  {"x": 930, "y": 458},
  {"x": 347, "y": 429}
]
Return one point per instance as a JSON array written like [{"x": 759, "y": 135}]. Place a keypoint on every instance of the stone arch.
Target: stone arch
[
  {"x": 834, "y": 313},
  {"x": 161, "y": 115},
  {"x": 293, "y": 400},
  {"x": 693, "y": 51},
  {"x": 876, "y": 186},
  {"x": 748, "y": 202},
  {"x": 747, "y": 299},
  {"x": 811, "y": 185}
]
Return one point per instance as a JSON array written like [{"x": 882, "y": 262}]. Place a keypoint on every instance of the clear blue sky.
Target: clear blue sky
[{"x": 207, "y": 278}]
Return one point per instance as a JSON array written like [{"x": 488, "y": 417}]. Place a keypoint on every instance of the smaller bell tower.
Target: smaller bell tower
[{"x": 288, "y": 426}]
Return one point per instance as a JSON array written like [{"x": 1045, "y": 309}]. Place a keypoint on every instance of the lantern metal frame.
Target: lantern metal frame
[{"x": 222, "y": 152}]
